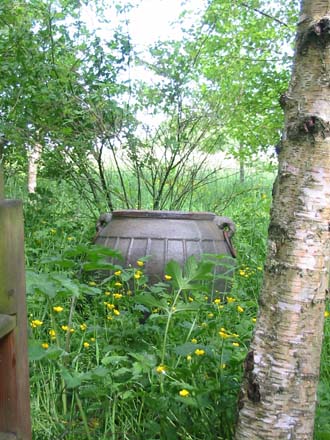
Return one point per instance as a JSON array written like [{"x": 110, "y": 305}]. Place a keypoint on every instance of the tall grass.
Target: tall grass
[{"x": 96, "y": 371}]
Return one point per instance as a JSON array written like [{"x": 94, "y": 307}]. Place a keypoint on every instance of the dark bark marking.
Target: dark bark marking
[
  {"x": 252, "y": 386},
  {"x": 316, "y": 34}
]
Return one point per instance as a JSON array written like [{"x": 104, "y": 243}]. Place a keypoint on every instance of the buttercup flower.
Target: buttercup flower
[
  {"x": 86, "y": 344},
  {"x": 52, "y": 333},
  {"x": 118, "y": 273},
  {"x": 217, "y": 301},
  {"x": 167, "y": 277},
  {"x": 117, "y": 295},
  {"x": 161, "y": 369},
  {"x": 83, "y": 327},
  {"x": 235, "y": 344},
  {"x": 117, "y": 284},
  {"x": 140, "y": 263},
  {"x": 45, "y": 345},
  {"x": 92, "y": 283},
  {"x": 326, "y": 314},
  {"x": 240, "y": 309},
  {"x": 36, "y": 323},
  {"x": 184, "y": 393},
  {"x": 107, "y": 293},
  {"x": 58, "y": 309},
  {"x": 194, "y": 340},
  {"x": 116, "y": 312},
  {"x": 199, "y": 352},
  {"x": 223, "y": 334},
  {"x": 230, "y": 299}
]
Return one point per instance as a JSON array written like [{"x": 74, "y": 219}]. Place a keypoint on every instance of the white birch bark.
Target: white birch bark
[
  {"x": 282, "y": 368},
  {"x": 33, "y": 167}
]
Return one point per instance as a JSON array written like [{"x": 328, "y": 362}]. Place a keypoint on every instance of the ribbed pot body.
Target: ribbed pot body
[{"x": 165, "y": 236}]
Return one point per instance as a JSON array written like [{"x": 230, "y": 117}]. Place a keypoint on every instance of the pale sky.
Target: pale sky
[{"x": 151, "y": 20}]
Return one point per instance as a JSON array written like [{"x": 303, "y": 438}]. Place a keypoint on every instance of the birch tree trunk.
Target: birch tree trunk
[
  {"x": 282, "y": 367},
  {"x": 33, "y": 167}
]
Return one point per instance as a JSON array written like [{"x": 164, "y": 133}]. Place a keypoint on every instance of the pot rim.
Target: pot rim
[{"x": 185, "y": 215}]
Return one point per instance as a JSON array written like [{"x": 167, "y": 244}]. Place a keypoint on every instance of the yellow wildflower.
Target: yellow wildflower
[
  {"x": 65, "y": 328},
  {"x": 52, "y": 333},
  {"x": 326, "y": 314},
  {"x": 235, "y": 344},
  {"x": 242, "y": 272},
  {"x": 223, "y": 334},
  {"x": 117, "y": 295},
  {"x": 161, "y": 369},
  {"x": 190, "y": 299},
  {"x": 137, "y": 275},
  {"x": 107, "y": 293},
  {"x": 140, "y": 263},
  {"x": 92, "y": 283},
  {"x": 210, "y": 315},
  {"x": 217, "y": 301},
  {"x": 184, "y": 393},
  {"x": 199, "y": 352},
  {"x": 53, "y": 231},
  {"x": 167, "y": 277},
  {"x": 36, "y": 323},
  {"x": 240, "y": 309},
  {"x": 109, "y": 318},
  {"x": 194, "y": 340},
  {"x": 254, "y": 319},
  {"x": 117, "y": 284},
  {"x": 92, "y": 339},
  {"x": 83, "y": 327},
  {"x": 86, "y": 344},
  {"x": 118, "y": 273},
  {"x": 223, "y": 366},
  {"x": 70, "y": 238},
  {"x": 189, "y": 357},
  {"x": 58, "y": 309},
  {"x": 116, "y": 312},
  {"x": 230, "y": 299},
  {"x": 45, "y": 345},
  {"x": 110, "y": 306}
]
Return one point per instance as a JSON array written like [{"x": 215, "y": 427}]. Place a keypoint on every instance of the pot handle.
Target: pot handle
[
  {"x": 228, "y": 228},
  {"x": 103, "y": 220}
]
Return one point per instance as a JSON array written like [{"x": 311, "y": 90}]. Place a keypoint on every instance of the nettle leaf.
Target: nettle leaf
[
  {"x": 113, "y": 360},
  {"x": 66, "y": 284},
  {"x": 187, "y": 348},
  {"x": 40, "y": 283},
  {"x": 149, "y": 301},
  {"x": 74, "y": 379},
  {"x": 61, "y": 262},
  {"x": 36, "y": 352}
]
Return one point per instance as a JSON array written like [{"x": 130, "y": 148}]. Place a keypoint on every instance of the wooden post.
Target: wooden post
[{"x": 15, "y": 421}]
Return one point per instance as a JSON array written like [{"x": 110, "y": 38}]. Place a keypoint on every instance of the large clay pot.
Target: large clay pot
[{"x": 166, "y": 235}]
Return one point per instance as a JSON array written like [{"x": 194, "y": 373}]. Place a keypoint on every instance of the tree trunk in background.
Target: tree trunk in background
[
  {"x": 33, "y": 167},
  {"x": 282, "y": 367}
]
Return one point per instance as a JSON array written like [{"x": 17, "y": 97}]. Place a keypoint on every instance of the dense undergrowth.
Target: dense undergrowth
[{"x": 100, "y": 372}]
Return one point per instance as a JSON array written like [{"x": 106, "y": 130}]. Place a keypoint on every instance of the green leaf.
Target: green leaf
[
  {"x": 40, "y": 282},
  {"x": 36, "y": 352},
  {"x": 149, "y": 301}
]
